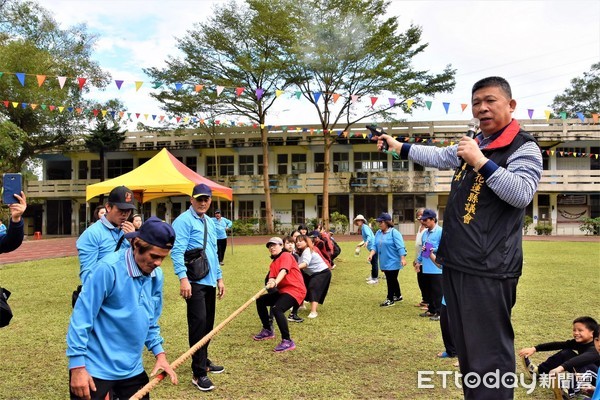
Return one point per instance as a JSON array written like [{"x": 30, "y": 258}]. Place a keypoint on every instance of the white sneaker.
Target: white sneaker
[
  {"x": 313, "y": 314},
  {"x": 372, "y": 281}
]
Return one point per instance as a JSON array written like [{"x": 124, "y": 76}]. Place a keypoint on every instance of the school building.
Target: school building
[{"x": 361, "y": 179}]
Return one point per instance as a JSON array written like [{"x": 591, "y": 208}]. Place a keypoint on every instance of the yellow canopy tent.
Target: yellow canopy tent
[{"x": 161, "y": 176}]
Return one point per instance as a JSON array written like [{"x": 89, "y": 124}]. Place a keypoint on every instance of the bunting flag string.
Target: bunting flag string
[{"x": 259, "y": 93}]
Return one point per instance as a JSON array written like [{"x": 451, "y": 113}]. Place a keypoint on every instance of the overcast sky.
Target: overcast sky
[{"x": 539, "y": 46}]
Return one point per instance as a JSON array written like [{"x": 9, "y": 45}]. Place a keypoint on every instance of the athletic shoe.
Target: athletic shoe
[
  {"x": 294, "y": 318},
  {"x": 426, "y": 314},
  {"x": 435, "y": 317},
  {"x": 265, "y": 334},
  {"x": 560, "y": 393},
  {"x": 285, "y": 345},
  {"x": 387, "y": 303},
  {"x": 398, "y": 299},
  {"x": 221, "y": 263},
  {"x": 530, "y": 367},
  {"x": 372, "y": 281},
  {"x": 313, "y": 314},
  {"x": 213, "y": 368},
  {"x": 203, "y": 383}
]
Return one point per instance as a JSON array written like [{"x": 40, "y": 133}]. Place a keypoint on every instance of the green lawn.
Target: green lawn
[{"x": 354, "y": 349}]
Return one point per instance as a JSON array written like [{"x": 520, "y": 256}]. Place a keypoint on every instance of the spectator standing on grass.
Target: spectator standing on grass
[
  {"x": 13, "y": 236},
  {"x": 481, "y": 247},
  {"x": 200, "y": 295},
  {"x": 222, "y": 225},
  {"x": 423, "y": 304},
  {"x": 368, "y": 239},
  {"x": 390, "y": 250},
  {"x": 116, "y": 315},
  {"x": 286, "y": 290},
  {"x": 432, "y": 272}
]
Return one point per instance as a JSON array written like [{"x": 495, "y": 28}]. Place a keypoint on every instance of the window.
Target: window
[
  {"x": 245, "y": 209},
  {"x": 544, "y": 207},
  {"x": 319, "y": 162},
  {"x": 58, "y": 170},
  {"x": 142, "y": 160},
  {"x": 118, "y": 167},
  {"x": 400, "y": 165},
  {"x": 298, "y": 163},
  {"x": 370, "y": 162},
  {"x": 191, "y": 163},
  {"x": 282, "y": 160},
  {"x": 340, "y": 162},
  {"x": 226, "y": 166},
  {"x": 82, "y": 173},
  {"x": 246, "y": 165},
  {"x": 298, "y": 216},
  {"x": 259, "y": 161},
  {"x": 95, "y": 170},
  {"x": 405, "y": 206}
]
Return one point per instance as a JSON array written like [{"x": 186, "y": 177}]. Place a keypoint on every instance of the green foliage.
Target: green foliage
[
  {"x": 383, "y": 342},
  {"x": 244, "y": 227},
  {"x": 339, "y": 221},
  {"x": 591, "y": 226},
  {"x": 104, "y": 137},
  {"x": 583, "y": 95},
  {"x": 31, "y": 41},
  {"x": 527, "y": 221},
  {"x": 543, "y": 228},
  {"x": 373, "y": 224}
]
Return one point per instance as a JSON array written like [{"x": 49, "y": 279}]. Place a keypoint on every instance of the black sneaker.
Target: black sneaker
[
  {"x": 203, "y": 383},
  {"x": 387, "y": 303},
  {"x": 294, "y": 318},
  {"x": 398, "y": 299},
  {"x": 215, "y": 369}
]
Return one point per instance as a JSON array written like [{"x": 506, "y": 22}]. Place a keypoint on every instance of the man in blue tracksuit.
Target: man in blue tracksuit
[
  {"x": 117, "y": 314},
  {"x": 221, "y": 225},
  {"x": 199, "y": 294},
  {"x": 432, "y": 273}
]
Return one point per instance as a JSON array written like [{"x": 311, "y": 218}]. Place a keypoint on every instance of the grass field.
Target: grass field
[{"x": 353, "y": 350}]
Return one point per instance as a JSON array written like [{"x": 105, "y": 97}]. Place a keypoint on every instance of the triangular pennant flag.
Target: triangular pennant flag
[
  {"x": 1, "y": 73},
  {"x": 156, "y": 85},
  {"x": 595, "y": 119},
  {"x": 104, "y": 112},
  {"x": 51, "y": 108},
  {"x": 43, "y": 107},
  {"x": 239, "y": 91},
  {"x": 178, "y": 86},
  {"x": 95, "y": 112},
  {"x": 392, "y": 101},
  {"x": 146, "y": 117},
  {"x": 138, "y": 85},
  {"x": 198, "y": 88},
  {"x": 41, "y": 79},
  {"x": 317, "y": 96},
  {"x": 581, "y": 116},
  {"x": 178, "y": 119},
  {"x": 354, "y": 98},
  {"x": 259, "y": 93},
  {"x": 335, "y": 97},
  {"x": 552, "y": 152},
  {"x": 121, "y": 113},
  {"x": 373, "y": 101},
  {"x": 119, "y": 83},
  {"x": 463, "y": 106},
  {"x": 61, "y": 81},
  {"x": 153, "y": 117},
  {"x": 446, "y": 106},
  {"x": 6, "y": 102},
  {"x": 112, "y": 113},
  {"x": 78, "y": 110},
  {"x": 428, "y": 104},
  {"x": 81, "y": 82},
  {"x": 530, "y": 112},
  {"x": 409, "y": 103},
  {"x": 547, "y": 112},
  {"x": 220, "y": 89},
  {"x": 298, "y": 93},
  {"x": 563, "y": 115},
  {"x": 161, "y": 118},
  {"x": 21, "y": 77},
  {"x": 34, "y": 106},
  {"x": 364, "y": 135},
  {"x": 278, "y": 93},
  {"x": 15, "y": 104},
  {"x": 23, "y": 105},
  {"x": 61, "y": 108}
]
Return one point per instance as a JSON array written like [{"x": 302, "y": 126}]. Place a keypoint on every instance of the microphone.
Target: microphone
[{"x": 471, "y": 132}]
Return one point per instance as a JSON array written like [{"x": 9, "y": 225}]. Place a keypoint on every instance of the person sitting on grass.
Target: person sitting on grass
[
  {"x": 286, "y": 290},
  {"x": 576, "y": 355},
  {"x": 590, "y": 390}
]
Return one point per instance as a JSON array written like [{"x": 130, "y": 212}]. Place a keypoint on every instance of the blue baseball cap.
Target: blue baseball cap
[
  {"x": 155, "y": 232},
  {"x": 384, "y": 217},
  {"x": 201, "y": 189},
  {"x": 428, "y": 213}
]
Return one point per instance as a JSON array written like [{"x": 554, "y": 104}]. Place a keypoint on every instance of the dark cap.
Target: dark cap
[
  {"x": 201, "y": 189},
  {"x": 274, "y": 240},
  {"x": 121, "y": 197},
  {"x": 428, "y": 213},
  {"x": 384, "y": 217},
  {"x": 314, "y": 234},
  {"x": 155, "y": 232},
  {"x": 217, "y": 211}
]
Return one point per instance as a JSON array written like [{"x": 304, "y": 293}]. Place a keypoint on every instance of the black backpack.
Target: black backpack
[{"x": 336, "y": 250}]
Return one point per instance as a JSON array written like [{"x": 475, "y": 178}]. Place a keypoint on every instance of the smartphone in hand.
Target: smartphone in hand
[{"x": 12, "y": 183}]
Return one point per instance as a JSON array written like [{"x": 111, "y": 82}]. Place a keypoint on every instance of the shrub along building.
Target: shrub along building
[{"x": 362, "y": 180}]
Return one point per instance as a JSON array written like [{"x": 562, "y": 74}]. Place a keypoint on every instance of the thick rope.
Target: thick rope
[{"x": 156, "y": 380}]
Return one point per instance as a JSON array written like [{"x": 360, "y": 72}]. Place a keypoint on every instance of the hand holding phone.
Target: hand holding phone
[{"x": 11, "y": 185}]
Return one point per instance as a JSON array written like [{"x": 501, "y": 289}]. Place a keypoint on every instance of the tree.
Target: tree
[
  {"x": 32, "y": 43},
  {"x": 348, "y": 48},
  {"x": 583, "y": 96},
  {"x": 240, "y": 46},
  {"x": 104, "y": 137}
]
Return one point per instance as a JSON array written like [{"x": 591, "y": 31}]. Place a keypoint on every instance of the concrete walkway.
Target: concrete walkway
[{"x": 65, "y": 246}]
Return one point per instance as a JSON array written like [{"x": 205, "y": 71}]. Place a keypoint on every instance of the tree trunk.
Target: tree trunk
[
  {"x": 266, "y": 185},
  {"x": 326, "y": 161}
]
